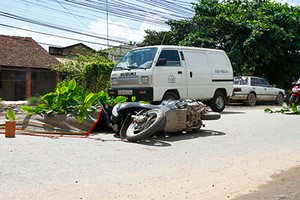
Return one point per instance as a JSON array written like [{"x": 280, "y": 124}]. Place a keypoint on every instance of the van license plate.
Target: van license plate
[{"x": 125, "y": 92}]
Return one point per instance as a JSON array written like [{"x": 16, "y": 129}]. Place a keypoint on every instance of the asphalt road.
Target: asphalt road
[{"x": 227, "y": 158}]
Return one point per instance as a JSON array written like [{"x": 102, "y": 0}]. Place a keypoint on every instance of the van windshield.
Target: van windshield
[{"x": 137, "y": 59}]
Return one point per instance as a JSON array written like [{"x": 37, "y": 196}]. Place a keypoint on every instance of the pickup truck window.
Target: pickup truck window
[
  {"x": 240, "y": 80},
  {"x": 255, "y": 82}
]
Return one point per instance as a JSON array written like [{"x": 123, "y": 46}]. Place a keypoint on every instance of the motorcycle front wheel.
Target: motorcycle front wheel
[
  {"x": 293, "y": 99},
  {"x": 154, "y": 119}
]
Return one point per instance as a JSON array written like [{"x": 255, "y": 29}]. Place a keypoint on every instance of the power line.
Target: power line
[
  {"x": 157, "y": 13},
  {"x": 48, "y": 25},
  {"x": 71, "y": 13},
  {"x": 76, "y": 15},
  {"x": 53, "y": 35}
]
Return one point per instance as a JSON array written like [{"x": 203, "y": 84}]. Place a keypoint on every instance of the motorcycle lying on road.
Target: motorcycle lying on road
[
  {"x": 134, "y": 121},
  {"x": 295, "y": 93}
]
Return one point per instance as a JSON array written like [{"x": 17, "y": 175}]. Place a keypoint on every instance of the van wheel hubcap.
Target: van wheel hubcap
[{"x": 220, "y": 102}]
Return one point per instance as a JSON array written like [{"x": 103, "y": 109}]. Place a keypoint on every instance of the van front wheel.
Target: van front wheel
[
  {"x": 217, "y": 103},
  {"x": 170, "y": 96}
]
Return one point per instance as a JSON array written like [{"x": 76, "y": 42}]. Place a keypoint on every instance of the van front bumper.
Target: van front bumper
[{"x": 141, "y": 94}]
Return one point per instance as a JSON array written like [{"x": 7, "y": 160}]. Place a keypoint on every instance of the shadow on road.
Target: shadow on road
[
  {"x": 165, "y": 139},
  {"x": 232, "y": 112},
  {"x": 158, "y": 139}
]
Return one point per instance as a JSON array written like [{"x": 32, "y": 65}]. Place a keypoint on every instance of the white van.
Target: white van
[{"x": 156, "y": 73}]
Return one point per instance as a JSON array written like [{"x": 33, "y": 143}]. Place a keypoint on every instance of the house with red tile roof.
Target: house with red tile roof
[{"x": 25, "y": 68}]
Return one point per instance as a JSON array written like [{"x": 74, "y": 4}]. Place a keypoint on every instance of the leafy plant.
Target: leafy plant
[
  {"x": 69, "y": 98},
  {"x": 10, "y": 115},
  {"x": 292, "y": 109},
  {"x": 35, "y": 100}
]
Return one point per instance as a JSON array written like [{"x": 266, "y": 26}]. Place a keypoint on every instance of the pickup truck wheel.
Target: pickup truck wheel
[
  {"x": 279, "y": 99},
  {"x": 251, "y": 99},
  {"x": 217, "y": 103},
  {"x": 170, "y": 96}
]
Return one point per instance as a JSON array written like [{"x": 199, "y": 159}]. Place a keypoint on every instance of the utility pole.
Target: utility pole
[{"x": 107, "y": 39}]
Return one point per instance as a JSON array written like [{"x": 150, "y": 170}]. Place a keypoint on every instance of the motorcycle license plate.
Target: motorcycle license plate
[{"x": 125, "y": 92}]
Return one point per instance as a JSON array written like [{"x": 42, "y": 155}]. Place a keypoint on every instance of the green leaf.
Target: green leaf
[
  {"x": 10, "y": 115},
  {"x": 88, "y": 97},
  {"x": 48, "y": 97},
  {"x": 27, "y": 109},
  {"x": 133, "y": 98},
  {"x": 120, "y": 99},
  {"x": 72, "y": 84},
  {"x": 49, "y": 111},
  {"x": 285, "y": 106},
  {"x": 80, "y": 117},
  {"x": 40, "y": 108},
  {"x": 63, "y": 90},
  {"x": 268, "y": 110}
]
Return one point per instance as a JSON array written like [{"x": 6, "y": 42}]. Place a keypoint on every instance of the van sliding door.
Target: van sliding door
[{"x": 198, "y": 75}]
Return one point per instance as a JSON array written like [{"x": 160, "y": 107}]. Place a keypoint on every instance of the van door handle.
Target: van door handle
[
  {"x": 191, "y": 74},
  {"x": 179, "y": 72}
]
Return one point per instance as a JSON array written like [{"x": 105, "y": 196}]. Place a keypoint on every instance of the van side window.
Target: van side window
[{"x": 171, "y": 57}]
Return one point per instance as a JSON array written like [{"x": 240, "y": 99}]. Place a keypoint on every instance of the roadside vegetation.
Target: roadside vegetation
[
  {"x": 71, "y": 99},
  {"x": 92, "y": 71},
  {"x": 292, "y": 109}
]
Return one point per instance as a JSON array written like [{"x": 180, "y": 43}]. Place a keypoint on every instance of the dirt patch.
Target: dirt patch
[{"x": 285, "y": 185}]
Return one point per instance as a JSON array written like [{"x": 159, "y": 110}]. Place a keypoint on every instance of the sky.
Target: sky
[{"x": 62, "y": 23}]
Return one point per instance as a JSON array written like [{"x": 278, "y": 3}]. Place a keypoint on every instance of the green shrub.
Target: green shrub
[
  {"x": 69, "y": 98},
  {"x": 35, "y": 100},
  {"x": 292, "y": 109}
]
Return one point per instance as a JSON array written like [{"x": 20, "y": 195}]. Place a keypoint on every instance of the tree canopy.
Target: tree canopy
[
  {"x": 261, "y": 36},
  {"x": 154, "y": 38}
]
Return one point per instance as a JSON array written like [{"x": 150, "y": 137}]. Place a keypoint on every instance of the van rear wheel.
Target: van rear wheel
[{"x": 217, "y": 103}]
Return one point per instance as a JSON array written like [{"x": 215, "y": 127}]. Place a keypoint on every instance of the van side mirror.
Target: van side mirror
[{"x": 161, "y": 61}]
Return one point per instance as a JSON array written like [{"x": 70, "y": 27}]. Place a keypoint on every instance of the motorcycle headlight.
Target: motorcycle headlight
[
  {"x": 144, "y": 80},
  {"x": 113, "y": 81}
]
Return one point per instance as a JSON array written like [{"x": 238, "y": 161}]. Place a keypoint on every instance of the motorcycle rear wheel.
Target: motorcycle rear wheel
[{"x": 155, "y": 118}]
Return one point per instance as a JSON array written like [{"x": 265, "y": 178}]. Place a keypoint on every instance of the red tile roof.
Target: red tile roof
[{"x": 24, "y": 52}]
